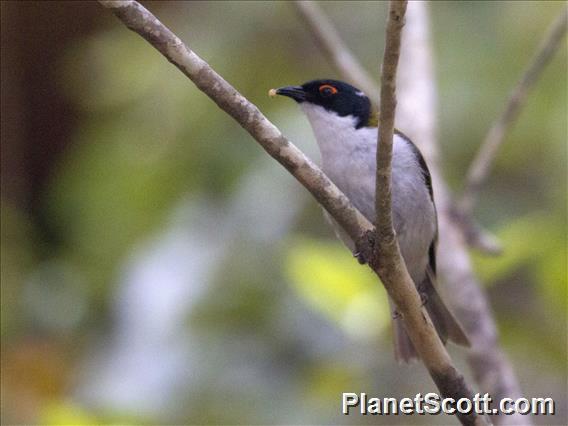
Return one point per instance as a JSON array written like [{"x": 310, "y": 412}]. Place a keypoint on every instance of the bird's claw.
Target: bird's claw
[
  {"x": 364, "y": 246},
  {"x": 360, "y": 258}
]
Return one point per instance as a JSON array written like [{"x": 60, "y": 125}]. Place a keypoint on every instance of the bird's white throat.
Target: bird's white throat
[{"x": 335, "y": 135}]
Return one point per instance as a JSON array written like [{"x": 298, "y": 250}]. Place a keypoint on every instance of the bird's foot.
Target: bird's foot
[
  {"x": 423, "y": 294},
  {"x": 360, "y": 258},
  {"x": 365, "y": 248},
  {"x": 423, "y": 298}
]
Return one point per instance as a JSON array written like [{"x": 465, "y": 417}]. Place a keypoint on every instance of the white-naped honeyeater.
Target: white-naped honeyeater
[{"x": 346, "y": 132}]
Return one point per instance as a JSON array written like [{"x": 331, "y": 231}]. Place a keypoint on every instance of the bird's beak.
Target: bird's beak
[{"x": 294, "y": 92}]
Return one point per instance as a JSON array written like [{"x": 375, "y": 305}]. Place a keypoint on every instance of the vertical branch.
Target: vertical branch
[
  {"x": 384, "y": 225},
  {"x": 386, "y": 258},
  {"x": 390, "y": 265},
  {"x": 417, "y": 112},
  {"x": 417, "y": 92}
]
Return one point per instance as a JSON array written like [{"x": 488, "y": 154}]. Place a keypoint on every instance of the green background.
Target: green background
[{"x": 158, "y": 267}]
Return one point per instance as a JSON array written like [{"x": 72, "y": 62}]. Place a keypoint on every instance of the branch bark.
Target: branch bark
[
  {"x": 417, "y": 117},
  {"x": 450, "y": 382},
  {"x": 385, "y": 230},
  {"x": 387, "y": 260},
  {"x": 341, "y": 58},
  {"x": 483, "y": 161},
  {"x": 137, "y": 18}
]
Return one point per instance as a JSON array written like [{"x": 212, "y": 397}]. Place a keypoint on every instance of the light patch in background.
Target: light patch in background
[
  {"x": 331, "y": 281},
  {"x": 152, "y": 360}
]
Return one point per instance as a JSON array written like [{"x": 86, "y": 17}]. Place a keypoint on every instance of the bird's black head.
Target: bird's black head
[{"x": 333, "y": 95}]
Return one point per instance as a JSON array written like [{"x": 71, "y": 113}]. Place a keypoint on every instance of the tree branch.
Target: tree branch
[
  {"x": 334, "y": 49},
  {"x": 385, "y": 230},
  {"x": 481, "y": 165},
  {"x": 417, "y": 117},
  {"x": 341, "y": 58},
  {"x": 141, "y": 21},
  {"x": 450, "y": 382},
  {"x": 387, "y": 260}
]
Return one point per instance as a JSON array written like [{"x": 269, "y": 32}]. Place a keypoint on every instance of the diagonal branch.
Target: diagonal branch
[
  {"x": 141, "y": 21},
  {"x": 483, "y": 161},
  {"x": 334, "y": 48},
  {"x": 351, "y": 70},
  {"x": 450, "y": 382}
]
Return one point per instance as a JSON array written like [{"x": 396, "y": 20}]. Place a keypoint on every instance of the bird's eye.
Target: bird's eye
[{"x": 327, "y": 90}]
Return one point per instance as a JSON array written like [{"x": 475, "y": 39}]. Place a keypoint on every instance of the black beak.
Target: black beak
[{"x": 294, "y": 92}]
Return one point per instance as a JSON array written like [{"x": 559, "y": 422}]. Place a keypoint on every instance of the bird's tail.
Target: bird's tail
[{"x": 446, "y": 325}]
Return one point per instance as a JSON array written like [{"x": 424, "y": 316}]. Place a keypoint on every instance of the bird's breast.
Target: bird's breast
[{"x": 351, "y": 165}]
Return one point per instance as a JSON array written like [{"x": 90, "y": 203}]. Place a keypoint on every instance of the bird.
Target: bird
[{"x": 346, "y": 131}]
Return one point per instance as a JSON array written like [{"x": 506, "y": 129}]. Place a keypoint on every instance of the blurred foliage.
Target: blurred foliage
[
  {"x": 17, "y": 258},
  {"x": 339, "y": 288},
  {"x": 532, "y": 240},
  {"x": 191, "y": 280},
  {"x": 65, "y": 413}
]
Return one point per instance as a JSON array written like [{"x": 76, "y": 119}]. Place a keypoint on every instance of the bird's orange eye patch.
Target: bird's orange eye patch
[{"x": 327, "y": 90}]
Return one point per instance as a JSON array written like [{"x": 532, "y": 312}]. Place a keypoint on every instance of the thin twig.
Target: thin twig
[
  {"x": 137, "y": 18},
  {"x": 417, "y": 117},
  {"x": 351, "y": 70},
  {"x": 389, "y": 262},
  {"x": 483, "y": 161},
  {"x": 385, "y": 230},
  {"x": 334, "y": 48}
]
